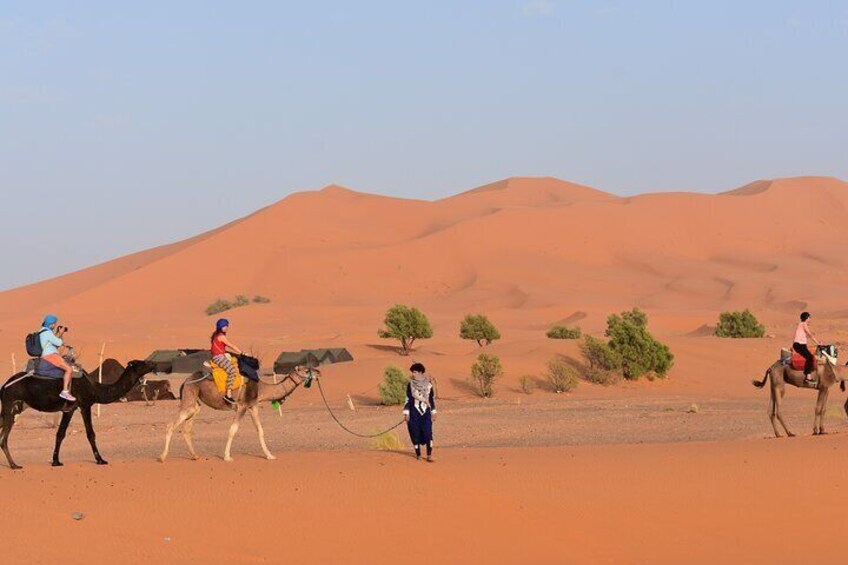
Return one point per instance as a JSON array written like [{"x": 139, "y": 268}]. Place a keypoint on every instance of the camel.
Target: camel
[
  {"x": 780, "y": 374},
  {"x": 198, "y": 389},
  {"x": 42, "y": 394}
]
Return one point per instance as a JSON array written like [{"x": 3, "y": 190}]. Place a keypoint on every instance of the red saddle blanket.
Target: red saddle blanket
[{"x": 798, "y": 361}]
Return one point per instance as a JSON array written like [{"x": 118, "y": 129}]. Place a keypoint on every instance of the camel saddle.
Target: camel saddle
[
  {"x": 47, "y": 370},
  {"x": 220, "y": 375},
  {"x": 798, "y": 362}
]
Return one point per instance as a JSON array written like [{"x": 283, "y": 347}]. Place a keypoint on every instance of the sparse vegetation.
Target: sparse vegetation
[
  {"x": 222, "y": 305},
  {"x": 601, "y": 376},
  {"x": 639, "y": 351},
  {"x": 528, "y": 385},
  {"x": 484, "y": 372},
  {"x": 479, "y": 328},
  {"x": 393, "y": 388},
  {"x": 407, "y": 325},
  {"x": 388, "y": 441},
  {"x": 564, "y": 332},
  {"x": 562, "y": 376},
  {"x": 258, "y": 299},
  {"x": 739, "y": 325}
]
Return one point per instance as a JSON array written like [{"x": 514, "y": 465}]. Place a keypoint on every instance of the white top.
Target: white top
[{"x": 801, "y": 333}]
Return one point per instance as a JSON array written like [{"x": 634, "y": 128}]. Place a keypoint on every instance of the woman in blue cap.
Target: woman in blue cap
[
  {"x": 51, "y": 340},
  {"x": 221, "y": 345}
]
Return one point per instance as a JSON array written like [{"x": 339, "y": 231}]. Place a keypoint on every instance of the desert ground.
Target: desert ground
[{"x": 681, "y": 469}]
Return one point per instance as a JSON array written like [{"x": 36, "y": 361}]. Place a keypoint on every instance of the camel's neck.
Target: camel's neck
[
  {"x": 106, "y": 394},
  {"x": 281, "y": 390}
]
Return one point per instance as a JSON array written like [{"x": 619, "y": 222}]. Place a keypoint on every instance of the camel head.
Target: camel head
[
  {"x": 305, "y": 375},
  {"x": 829, "y": 353},
  {"x": 139, "y": 370}
]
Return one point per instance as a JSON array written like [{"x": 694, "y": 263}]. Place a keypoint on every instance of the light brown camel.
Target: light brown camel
[
  {"x": 196, "y": 390},
  {"x": 780, "y": 374}
]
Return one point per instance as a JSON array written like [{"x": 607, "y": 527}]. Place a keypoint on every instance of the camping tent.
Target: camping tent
[{"x": 288, "y": 360}]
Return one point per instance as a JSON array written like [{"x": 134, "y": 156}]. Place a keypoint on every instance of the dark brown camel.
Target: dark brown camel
[
  {"x": 197, "y": 390},
  {"x": 779, "y": 375},
  {"x": 42, "y": 394}
]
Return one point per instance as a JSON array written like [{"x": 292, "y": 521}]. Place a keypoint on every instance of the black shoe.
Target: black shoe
[{"x": 229, "y": 400}]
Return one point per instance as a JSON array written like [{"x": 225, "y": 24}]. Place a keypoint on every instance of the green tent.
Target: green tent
[{"x": 288, "y": 360}]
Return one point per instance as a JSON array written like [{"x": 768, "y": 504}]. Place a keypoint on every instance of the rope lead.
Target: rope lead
[{"x": 345, "y": 428}]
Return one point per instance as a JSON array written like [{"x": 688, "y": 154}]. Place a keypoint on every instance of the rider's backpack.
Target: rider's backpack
[{"x": 33, "y": 344}]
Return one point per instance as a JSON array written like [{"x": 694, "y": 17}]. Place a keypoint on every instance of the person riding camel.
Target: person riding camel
[
  {"x": 221, "y": 345},
  {"x": 802, "y": 335},
  {"x": 50, "y": 336}
]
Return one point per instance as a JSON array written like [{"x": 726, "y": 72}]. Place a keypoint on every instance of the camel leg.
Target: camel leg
[
  {"x": 187, "y": 433},
  {"x": 846, "y": 407},
  {"x": 89, "y": 433},
  {"x": 772, "y": 414},
  {"x": 60, "y": 436},
  {"x": 233, "y": 429},
  {"x": 778, "y": 400},
  {"x": 172, "y": 427},
  {"x": 821, "y": 406},
  {"x": 254, "y": 415},
  {"x": 8, "y": 418}
]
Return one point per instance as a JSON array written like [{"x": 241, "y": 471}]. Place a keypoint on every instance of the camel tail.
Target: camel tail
[
  {"x": 762, "y": 383},
  {"x": 842, "y": 386}
]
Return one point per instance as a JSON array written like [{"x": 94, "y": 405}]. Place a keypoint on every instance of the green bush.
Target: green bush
[
  {"x": 528, "y": 385},
  {"x": 564, "y": 332},
  {"x": 638, "y": 350},
  {"x": 562, "y": 376},
  {"x": 739, "y": 324},
  {"x": 393, "y": 387},
  {"x": 241, "y": 300},
  {"x": 478, "y": 328},
  {"x": 261, "y": 299},
  {"x": 389, "y": 441},
  {"x": 407, "y": 325},
  {"x": 484, "y": 371},
  {"x": 599, "y": 355}
]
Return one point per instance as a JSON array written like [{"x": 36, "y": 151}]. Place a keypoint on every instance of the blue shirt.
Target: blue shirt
[{"x": 50, "y": 343}]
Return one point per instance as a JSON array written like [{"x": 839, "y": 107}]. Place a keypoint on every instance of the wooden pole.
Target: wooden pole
[
  {"x": 14, "y": 365},
  {"x": 100, "y": 371}
]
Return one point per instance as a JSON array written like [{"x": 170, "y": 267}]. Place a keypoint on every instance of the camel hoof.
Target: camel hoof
[
  {"x": 161, "y": 459},
  {"x": 194, "y": 457},
  {"x": 102, "y": 462},
  {"x": 271, "y": 457},
  {"x": 16, "y": 467},
  {"x": 57, "y": 464},
  {"x": 790, "y": 434},
  {"x": 228, "y": 459}
]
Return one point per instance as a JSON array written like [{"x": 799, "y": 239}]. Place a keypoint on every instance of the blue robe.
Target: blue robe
[{"x": 420, "y": 425}]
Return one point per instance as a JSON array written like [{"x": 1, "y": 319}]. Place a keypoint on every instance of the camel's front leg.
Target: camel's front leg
[
  {"x": 254, "y": 415},
  {"x": 89, "y": 432},
  {"x": 233, "y": 429},
  {"x": 187, "y": 434},
  {"x": 172, "y": 427}
]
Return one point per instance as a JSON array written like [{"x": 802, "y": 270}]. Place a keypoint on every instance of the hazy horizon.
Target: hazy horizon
[{"x": 129, "y": 127}]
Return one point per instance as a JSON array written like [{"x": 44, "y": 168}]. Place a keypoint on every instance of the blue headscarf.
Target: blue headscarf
[
  {"x": 221, "y": 324},
  {"x": 49, "y": 320}
]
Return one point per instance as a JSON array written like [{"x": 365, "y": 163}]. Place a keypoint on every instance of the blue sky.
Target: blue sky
[{"x": 124, "y": 127}]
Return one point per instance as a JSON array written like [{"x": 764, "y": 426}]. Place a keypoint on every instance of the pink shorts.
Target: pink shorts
[{"x": 56, "y": 360}]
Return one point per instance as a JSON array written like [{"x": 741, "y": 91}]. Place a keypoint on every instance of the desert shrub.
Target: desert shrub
[
  {"x": 528, "y": 385},
  {"x": 601, "y": 376},
  {"x": 599, "y": 355},
  {"x": 562, "y": 376},
  {"x": 388, "y": 441},
  {"x": 406, "y": 325},
  {"x": 639, "y": 351},
  {"x": 739, "y": 324},
  {"x": 258, "y": 299},
  {"x": 222, "y": 305},
  {"x": 218, "y": 306},
  {"x": 564, "y": 332},
  {"x": 484, "y": 372},
  {"x": 393, "y": 388},
  {"x": 478, "y": 328}
]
